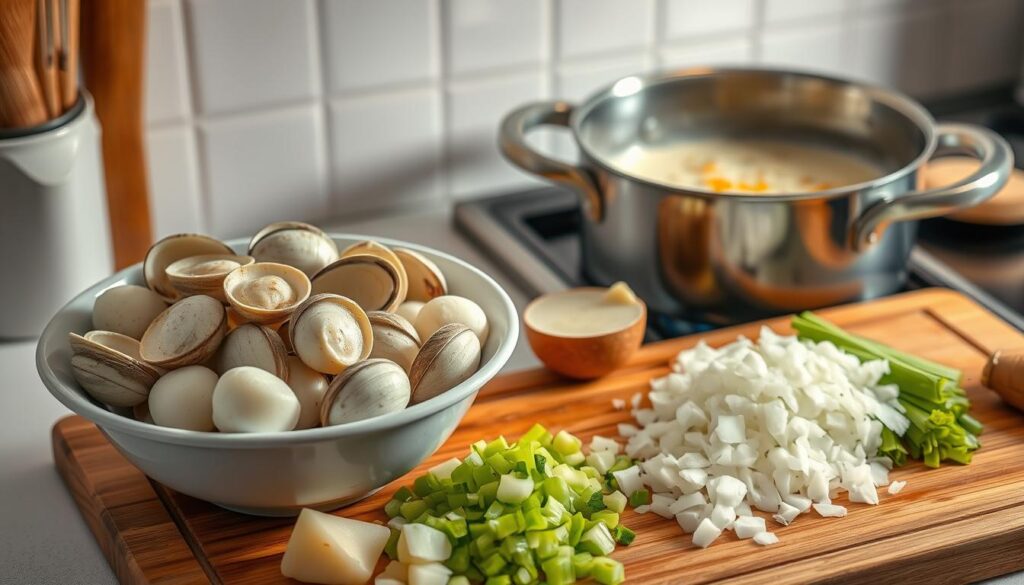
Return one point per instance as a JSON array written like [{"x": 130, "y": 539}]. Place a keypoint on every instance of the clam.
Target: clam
[
  {"x": 266, "y": 292},
  {"x": 171, "y": 249},
  {"x": 188, "y": 332},
  {"x": 250, "y": 400},
  {"x": 369, "y": 280},
  {"x": 330, "y": 333},
  {"x": 282, "y": 332},
  {"x": 127, "y": 310},
  {"x": 309, "y": 387},
  {"x": 296, "y": 244},
  {"x": 426, "y": 281},
  {"x": 451, "y": 309},
  {"x": 447, "y": 358},
  {"x": 204, "y": 274},
  {"x": 394, "y": 338},
  {"x": 253, "y": 345},
  {"x": 110, "y": 369},
  {"x": 384, "y": 253},
  {"x": 183, "y": 399},
  {"x": 409, "y": 310},
  {"x": 370, "y": 388}
]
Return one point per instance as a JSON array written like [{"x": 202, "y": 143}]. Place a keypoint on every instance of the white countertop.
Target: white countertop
[{"x": 43, "y": 539}]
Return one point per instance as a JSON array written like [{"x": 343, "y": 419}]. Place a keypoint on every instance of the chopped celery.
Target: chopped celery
[
  {"x": 610, "y": 519},
  {"x": 624, "y": 536},
  {"x": 640, "y": 497},
  {"x": 403, "y": 494},
  {"x": 413, "y": 509},
  {"x": 608, "y": 571},
  {"x": 459, "y": 560},
  {"x": 393, "y": 508},
  {"x": 499, "y": 580},
  {"x": 458, "y": 580},
  {"x": 598, "y": 540},
  {"x": 391, "y": 547},
  {"x": 492, "y": 565},
  {"x": 512, "y": 490},
  {"x": 558, "y": 570},
  {"x": 615, "y": 501},
  {"x": 576, "y": 526},
  {"x": 582, "y": 564},
  {"x": 566, "y": 443}
]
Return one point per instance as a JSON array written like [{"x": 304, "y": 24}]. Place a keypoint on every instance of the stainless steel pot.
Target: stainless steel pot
[{"x": 733, "y": 257}]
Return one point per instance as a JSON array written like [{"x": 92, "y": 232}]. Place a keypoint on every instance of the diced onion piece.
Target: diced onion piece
[
  {"x": 731, "y": 429},
  {"x": 420, "y": 543},
  {"x": 766, "y": 538},
  {"x": 830, "y": 510},
  {"x": 786, "y": 514},
  {"x": 602, "y": 444},
  {"x": 332, "y": 550},
  {"x": 429, "y": 574},
  {"x": 748, "y": 526},
  {"x": 896, "y": 487},
  {"x": 601, "y": 460},
  {"x": 395, "y": 573},
  {"x": 618, "y": 404},
  {"x": 706, "y": 533},
  {"x": 723, "y": 516},
  {"x": 628, "y": 479},
  {"x": 661, "y": 505},
  {"x": 444, "y": 470}
]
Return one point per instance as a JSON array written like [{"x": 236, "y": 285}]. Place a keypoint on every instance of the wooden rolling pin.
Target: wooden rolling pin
[{"x": 1004, "y": 373}]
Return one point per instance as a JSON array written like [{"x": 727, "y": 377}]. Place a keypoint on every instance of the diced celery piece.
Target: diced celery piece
[
  {"x": 534, "y": 501},
  {"x": 576, "y": 525},
  {"x": 402, "y": 495},
  {"x": 458, "y": 580},
  {"x": 558, "y": 570},
  {"x": 457, "y": 500},
  {"x": 426, "y": 484},
  {"x": 459, "y": 560},
  {"x": 499, "y": 445},
  {"x": 597, "y": 540},
  {"x": 640, "y": 497},
  {"x": 393, "y": 508},
  {"x": 484, "y": 475},
  {"x": 582, "y": 563},
  {"x": 574, "y": 477},
  {"x": 513, "y": 490},
  {"x": 608, "y": 571},
  {"x": 610, "y": 519},
  {"x": 535, "y": 519},
  {"x": 574, "y": 459},
  {"x": 499, "y": 580},
  {"x": 615, "y": 501},
  {"x": 514, "y": 544},
  {"x": 624, "y": 536},
  {"x": 498, "y": 463},
  {"x": 413, "y": 509},
  {"x": 536, "y": 432},
  {"x": 556, "y": 487},
  {"x": 554, "y": 512},
  {"x": 621, "y": 462},
  {"x": 522, "y": 576},
  {"x": 507, "y": 524},
  {"x": 484, "y": 545},
  {"x": 494, "y": 510},
  {"x": 492, "y": 564},
  {"x": 566, "y": 443},
  {"x": 464, "y": 474},
  {"x": 391, "y": 548},
  {"x": 488, "y": 493}
]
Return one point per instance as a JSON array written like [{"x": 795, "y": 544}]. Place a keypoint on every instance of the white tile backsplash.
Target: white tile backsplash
[
  {"x": 167, "y": 97},
  {"x": 174, "y": 196},
  {"x": 262, "y": 168},
  {"x": 688, "y": 19},
  {"x": 585, "y": 26},
  {"x": 265, "y": 109},
  {"x": 386, "y": 150},
  {"x": 378, "y": 43},
  {"x": 494, "y": 34},
  {"x": 253, "y": 53}
]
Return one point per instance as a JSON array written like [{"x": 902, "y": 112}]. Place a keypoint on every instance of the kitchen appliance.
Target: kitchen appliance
[
  {"x": 723, "y": 257},
  {"x": 54, "y": 237}
]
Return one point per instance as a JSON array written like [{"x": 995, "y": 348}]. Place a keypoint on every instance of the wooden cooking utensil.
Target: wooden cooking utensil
[
  {"x": 21, "y": 101},
  {"x": 113, "y": 39},
  {"x": 68, "y": 61},
  {"x": 1004, "y": 373}
]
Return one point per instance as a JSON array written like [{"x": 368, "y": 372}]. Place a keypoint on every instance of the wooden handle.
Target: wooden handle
[
  {"x": 113, "y": 51},
  {"x": 69, "y": 60},
  {"x": 1004, "y": 373},
  {"x": 21, "y": 100}
]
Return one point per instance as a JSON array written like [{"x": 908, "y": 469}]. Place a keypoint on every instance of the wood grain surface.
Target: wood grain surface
[{"x": 954, "y": 524}]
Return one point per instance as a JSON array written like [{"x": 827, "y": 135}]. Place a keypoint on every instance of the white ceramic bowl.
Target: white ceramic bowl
[{"x": 277, "y": 474}]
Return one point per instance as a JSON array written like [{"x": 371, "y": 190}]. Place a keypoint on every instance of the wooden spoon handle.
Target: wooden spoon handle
[{"x": 1004, "y": 373}]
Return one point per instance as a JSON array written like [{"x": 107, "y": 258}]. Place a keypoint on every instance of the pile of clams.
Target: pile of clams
[{"x": 293, "y": 335}]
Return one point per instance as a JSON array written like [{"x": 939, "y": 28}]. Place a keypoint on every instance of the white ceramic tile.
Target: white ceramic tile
[
  {"x": 737, "y": 50},
  {"x": 385, "y": 150},
  {"x": 383, "y": 42},
  {"x": 987, "y": 40},
  {"x": 485, "y": 34},
  {"x": 577, "y": 81},
  {"x": 475, "y": 166},
  {"x": 263, "y": 168},
  {"x": 167, "y": 96},
  {"x": 791, "y": 10},
  {"x": 905, "y": 53},
  {"x": 252, "y": 53},
  {"x": 815, "y": 48},
  {"x": 584, "y": 26},
  {"x": 686, "y": 19},
  {"x": 174, "y": 197}
]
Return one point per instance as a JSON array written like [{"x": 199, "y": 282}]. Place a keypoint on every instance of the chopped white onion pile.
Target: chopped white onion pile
[{"x": 780, "y": 425}]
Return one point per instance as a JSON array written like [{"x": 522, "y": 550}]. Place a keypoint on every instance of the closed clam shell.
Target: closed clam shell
[
  {"x": 409, "y": 310},
  {"x": 447, "y": 358},
  {"x": 183, "y": 399},
  {"x": 127, "y": 309},
  {"x": 204, "y": 274},
  {"x": 368, "y": 389},
  {"x": 330, "y": 333},
  {"x": 369, "y": 280},
  {"x": 385, "y": 253},
  {"x": 296, "y": 244},
  {"x": 110, "y": 369},
  {"x": 253, "y": 345},
  {"x": 310, "y": 387},
  {"x": 188, "y": 332},
  {"x": 394, "y": 338},
  {"x": 266, "y": 292},
  {"x": 426, "y": 281},
  {"x": 451, "y": 309},
  {"x": 171, "y": 249}
]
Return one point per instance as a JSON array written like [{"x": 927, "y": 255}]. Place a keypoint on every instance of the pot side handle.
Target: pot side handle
[
  {"x": 512, "y": 142},
  {"x": 996, "y": 163}
]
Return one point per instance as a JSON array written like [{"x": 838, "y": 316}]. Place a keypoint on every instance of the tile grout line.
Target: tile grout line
[
  {"x": 326, "y": 138},
  {"x": 442, "y": 44},
  {"x": 202, "y": 166}
]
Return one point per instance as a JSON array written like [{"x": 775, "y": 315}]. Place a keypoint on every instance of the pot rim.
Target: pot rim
[{"x": 633, "y": 84}]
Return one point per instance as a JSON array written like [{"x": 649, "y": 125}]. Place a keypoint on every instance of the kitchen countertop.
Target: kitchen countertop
[{"x": 44, "y": 540}]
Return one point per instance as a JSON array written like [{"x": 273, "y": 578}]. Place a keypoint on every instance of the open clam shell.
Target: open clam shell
[
  {"x": 253, "y": 345},
  {"x": 204, "y": 274},
  {"x": 171, "y": 249},
  {"x": 296, "y": 244},
  {"x": 370, "y": 388},
  {"x": 383, "y": 252},
  {"x": 110, "y": 369},
  {"x": 394, "y": 338},
  {"x": 369, "y": 280},
  {"x": 447, "y": 358},
  {"x": 330, "y": 333},
  {"x": 426, "y": 281},
  {"x": 187, "y": 333},
  {"x": 266, "y": 292}
]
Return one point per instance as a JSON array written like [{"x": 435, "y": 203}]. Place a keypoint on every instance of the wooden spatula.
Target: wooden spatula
[
  {"x": 1004, "y": 373},
  {"x": 21, "y": 101}
]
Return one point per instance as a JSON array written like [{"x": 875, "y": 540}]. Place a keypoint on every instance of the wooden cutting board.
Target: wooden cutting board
[{"x": 954, "y": 524}]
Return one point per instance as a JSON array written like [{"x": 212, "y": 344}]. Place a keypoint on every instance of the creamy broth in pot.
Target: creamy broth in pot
[{"x": 748, "y": 166}]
